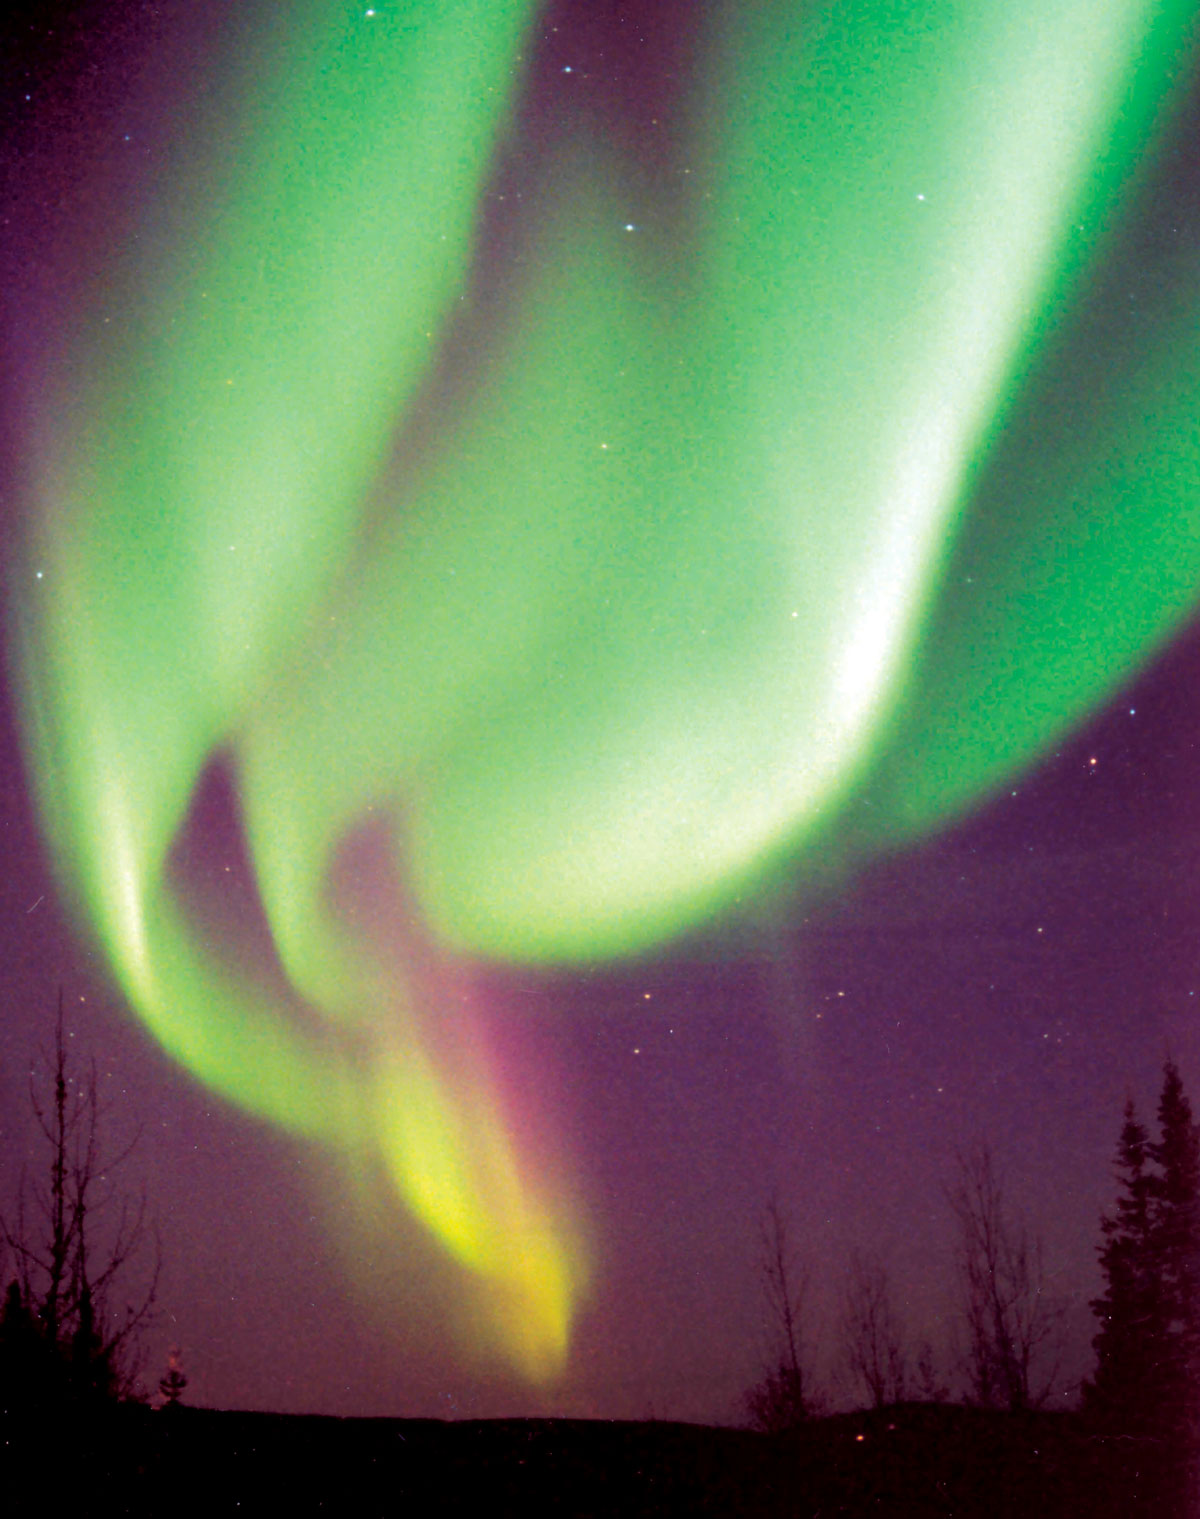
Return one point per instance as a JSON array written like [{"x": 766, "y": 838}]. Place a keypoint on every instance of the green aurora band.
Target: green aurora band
[{"x": 680, "y": 579}]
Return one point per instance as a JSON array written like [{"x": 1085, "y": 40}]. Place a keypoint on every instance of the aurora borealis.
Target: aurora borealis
[{"x": 548, "y": 583}]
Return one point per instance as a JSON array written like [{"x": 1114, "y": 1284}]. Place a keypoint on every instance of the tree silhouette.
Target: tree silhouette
[
  {"x": 26, "y": 1371},
  {"x": 173, "y": 1381},
  {"x": 927, "y": 1385},
  {"x": 784, "y": 1397},
  {"x": 1012, "y": 1321},
  {"x": 1125, "y": 1389},
  {"x": 1176, "y": 1241},
  {"x": 1146, "y": 1388},
  {"x": 872, "y": 1336},
  {"x": 85, "y": 1260}
]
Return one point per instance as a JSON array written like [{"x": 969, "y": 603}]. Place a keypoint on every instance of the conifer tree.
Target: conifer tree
[
  {"x": 27, "y": 1363},
  {"x": 1176, "y": 1236},
  {"x": 1146, "y": 1389},
  {"x": 173, "y": 1382},
  {"x": 1128, "y": 1346}
]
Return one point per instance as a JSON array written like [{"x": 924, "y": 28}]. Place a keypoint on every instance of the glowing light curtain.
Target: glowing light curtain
[{"x": 670, "y": 585}]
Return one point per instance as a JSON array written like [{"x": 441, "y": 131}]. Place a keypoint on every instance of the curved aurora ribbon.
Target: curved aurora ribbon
[{"x": 667, "y": 591}]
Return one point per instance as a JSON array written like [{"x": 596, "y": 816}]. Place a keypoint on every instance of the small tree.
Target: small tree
[
  {"x": 1012, "y": 1322},
  {"x": 77, "y": 1243},
  {"x": 784, "y": 1397},
  {"x": 872, "y": 1338},
  {"x": 173, "y": 1382},
  {"x": 927, "y": 1385},
  {"x": 26, "y": 1371}
]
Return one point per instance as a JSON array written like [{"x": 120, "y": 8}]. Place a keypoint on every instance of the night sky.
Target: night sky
[{"x": 990, "y": 933}]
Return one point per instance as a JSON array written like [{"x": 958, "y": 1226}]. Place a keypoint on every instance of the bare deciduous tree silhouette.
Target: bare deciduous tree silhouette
[
  {"x": 1013, "y": 1322},
  {"x": 85, "y": 1256},
  {"x": 873, "y": 1340},
  {"x": 785, "y": 1396}
]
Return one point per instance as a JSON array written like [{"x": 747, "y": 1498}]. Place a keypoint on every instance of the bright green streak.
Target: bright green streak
[
  {"x": 680, "y": 582},
  {"x": 217, "y": 451},
  {"x": 646, "y": 620},
  {"x": 206, "y": 494}
]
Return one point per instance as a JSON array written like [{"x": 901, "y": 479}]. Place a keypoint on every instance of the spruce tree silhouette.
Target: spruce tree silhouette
[
  {"x": 173, "y": 1382},
  {"x": 1125, "y": 1392},
  {"x": 1145, "y": 1393},
  {"x": 1176, "y": 1236}
]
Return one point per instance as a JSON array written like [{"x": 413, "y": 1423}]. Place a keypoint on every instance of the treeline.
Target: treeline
[
  {"x": 1145, "y": 1391},
  {"x": 1142, "y": 1400},
  {"x": 81, "y": 1266}
]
